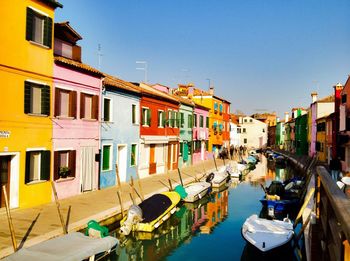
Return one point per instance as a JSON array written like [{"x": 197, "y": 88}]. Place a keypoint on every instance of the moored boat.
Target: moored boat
[
  {"x": 221, "y": 177},
  {"x": 267, "y": 235},
  {"x": 150, "y": 213}
]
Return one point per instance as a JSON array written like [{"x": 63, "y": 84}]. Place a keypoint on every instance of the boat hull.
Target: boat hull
[{"x": 196, "y": 191}]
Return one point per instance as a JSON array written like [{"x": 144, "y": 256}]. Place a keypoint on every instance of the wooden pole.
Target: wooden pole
[
  {"x": 139, "y": 182},
  {"x": 215, "y": 162},
  {"x": 132, "y": 199},
  {"x": 132, "y": 187},
  {"x": 170, "y": 185},
  {"x": 178, "y": 170},
  {"x": 119, "y": 193},
  {"x": 9, "y": 219},
  {"x": 58, "y": 208}
]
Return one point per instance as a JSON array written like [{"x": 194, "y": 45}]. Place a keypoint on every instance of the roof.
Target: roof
[
  {"x": 52, "y": 3},
  {"x": 146, "y": 89},
  {"x": 77, "y": 65},
  {"x": 329, "y": 98},
  {"x": 112, "y": 81},
  {"x": 65, "y": 32},
  {"x": 184, "y": 100}
]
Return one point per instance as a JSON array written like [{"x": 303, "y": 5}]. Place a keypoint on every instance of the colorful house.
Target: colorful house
[
  {"x": 201, "y": 134},
  {"x": 159, "y": 131},
  {"x": 226, "y": 123},
  {"x": 26, "y": 71},
  {"x": 76, "y": 121},
  {"x": 253, "y": 133},
  {"x": 343, "y": 138},
  {"x": 329, "y": 136},
  {"x": 321, "y": 139},
  {"x": 301, "y": 132},
  {"x": 280, "y": 132},
  {"x": 234, "y": 135},
  {"x": 120, "y": 131}
]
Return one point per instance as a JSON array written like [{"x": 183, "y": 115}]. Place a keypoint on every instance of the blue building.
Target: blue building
[{"x": 120, "y": 131}]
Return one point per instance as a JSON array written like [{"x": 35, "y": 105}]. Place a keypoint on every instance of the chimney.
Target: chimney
[
  {"x": 314, "y": 96},
  {"x": 211, "y": 90},
  {"x": 286, "y": 116}
]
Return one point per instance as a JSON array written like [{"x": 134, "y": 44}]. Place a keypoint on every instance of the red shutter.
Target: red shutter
[
  {"x": 56, "y": 165},
  {"x": 82, "y": 105},
  {"x": 95, "y": 102},
  {"x": 72, "y": 160},
  {"x": 73, "y": 104},
  {"x": 57, "y": 102}
]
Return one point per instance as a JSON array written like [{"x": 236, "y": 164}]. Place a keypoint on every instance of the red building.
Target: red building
[
  {"x": 226, "y": 120},
  {"x": 159, "y": 131}
]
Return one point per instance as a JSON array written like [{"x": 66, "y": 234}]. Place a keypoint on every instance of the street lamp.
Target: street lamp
[{"x": 144, "y": 68}]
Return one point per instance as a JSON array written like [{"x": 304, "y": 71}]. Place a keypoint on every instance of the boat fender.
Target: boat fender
[
  {"x": 95, "y": 230},
  {"x": 210, "y": 177},
  {"x": 134, "y": 216},
  {"x": 181, "y": 191}
]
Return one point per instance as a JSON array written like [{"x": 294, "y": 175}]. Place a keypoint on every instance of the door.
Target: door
[
  {"x": 122, "y": 162},
  {"x": 152, "y": 163},
  {"x": 174, "y": 153},
  {"x": 87, "y": 168},
  {"x": 5, "y": 178},
  {"x": 169, "y": 156},
  {"x": 185, "y": 152}
]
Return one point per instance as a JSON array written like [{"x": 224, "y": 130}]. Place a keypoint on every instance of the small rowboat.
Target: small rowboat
[
  {"x": 267, "y": 235},
  {"x": 197, "y": 190},
  {"x": 221, "y": 177},
  {"x": 150, "y": 213}
]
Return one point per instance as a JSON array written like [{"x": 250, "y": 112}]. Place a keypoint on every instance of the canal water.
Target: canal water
[{"x": 209, "y": 229}]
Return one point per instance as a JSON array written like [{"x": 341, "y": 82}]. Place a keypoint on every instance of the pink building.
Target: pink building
[
  {"x": 201, "y": 134},
  {"x": 76, "y": 129}
]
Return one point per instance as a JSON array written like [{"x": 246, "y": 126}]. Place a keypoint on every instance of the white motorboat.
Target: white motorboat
[
  {"x": 196, "y": 191},
  {"x": 234, "y": 173},
  {"x": 221, "y": 177},
  {"x": 266, "y": 234}
]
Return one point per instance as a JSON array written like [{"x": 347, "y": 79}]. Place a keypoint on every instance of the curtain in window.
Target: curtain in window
[{"x": 88, "y": 167}]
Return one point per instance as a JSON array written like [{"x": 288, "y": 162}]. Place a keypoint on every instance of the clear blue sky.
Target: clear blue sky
[{"x": 259, "y": 54}]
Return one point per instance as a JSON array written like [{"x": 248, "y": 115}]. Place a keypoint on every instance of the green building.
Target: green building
[{"x": 301, "y": 144}]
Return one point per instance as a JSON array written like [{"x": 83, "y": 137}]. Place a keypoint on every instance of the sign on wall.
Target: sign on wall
[{"x": 4, "y": 134}]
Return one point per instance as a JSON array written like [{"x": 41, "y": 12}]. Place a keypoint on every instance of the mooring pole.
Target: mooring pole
[
  {"x": 119, "y": 192},
  {"x": 178, "y": 170},
  {"x": 9, "y": 219},
  {"x": 58, "y": 208},
  {"x": 215, "y": 162},
  {"x": 139, "y": 182}
]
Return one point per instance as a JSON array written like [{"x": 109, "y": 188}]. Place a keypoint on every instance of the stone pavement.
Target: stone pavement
[{"x": 37, "y": 224}]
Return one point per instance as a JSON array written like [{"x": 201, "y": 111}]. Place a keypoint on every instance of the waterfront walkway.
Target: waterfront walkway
[{"x": 37, "y": 224}]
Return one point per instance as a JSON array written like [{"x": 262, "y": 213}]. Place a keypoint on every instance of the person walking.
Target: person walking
[{"x": 335, "y": 167}]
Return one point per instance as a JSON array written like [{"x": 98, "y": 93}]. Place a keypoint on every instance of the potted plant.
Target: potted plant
[{"x": 63, "y": 172}]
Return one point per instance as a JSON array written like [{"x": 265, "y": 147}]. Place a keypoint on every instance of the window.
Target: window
[
  {"x": 263, "y": 130},
  {"x": 88, "y": 106},
  {"x": 221, "y": 108},
  {"x": 133, "y": 155},
  {"x": 176, "y": 117},
  {"x": 189, "y": 144},
  {"x": 206, "y": 145},
  {"x": 343, "y": 98},
  {"x": 107, "y": 109},
  {"x": 195, "y": 120},
  {"x": 190, "y": 123},
  {"x": 207, "y": 122},
  {"x": 245, "y": 141},
  {"x": 182, "y": 120},
  {"x": 64, "y": 164},
  {"x": 201, "y": 121},
  {"x": 215, "y": 107},
  {"x": 37, "y": 166},
  {"x": 133, "y": 114},
  {"x": 238, "y": 130},
  {"x": 146, "y": 117},
  {"x": 36, "y": 98},
  {"x": 106, "y": 157},
  {"x": 39, "y": 28},
  {"x": 170, "y": 119},
  {"x": 65, "y": 103},
  {"x": 244, "y": 130},
  {"x": 321, "y": 126},
  {"x": 161, "y": 119},
  {"x": 245, "y": 120},
  {"x": 250, "y": 120}
]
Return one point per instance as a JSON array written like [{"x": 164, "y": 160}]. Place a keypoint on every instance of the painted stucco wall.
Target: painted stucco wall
[
  {"x": 74, "y": 134},
  {"x": 234, "y": 136},
  {"x": 185, "y": 133},
  {"x": 200, "y": 133},
  {"x": 256, "y": 133},
  {"x": 120, "y": 131},
  {"x": 23, "y": 60}
]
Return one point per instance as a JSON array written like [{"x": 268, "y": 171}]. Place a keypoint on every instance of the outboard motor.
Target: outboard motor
[
  {"x": 210, "y": 177},
  {"x": 134, "y": 216}
]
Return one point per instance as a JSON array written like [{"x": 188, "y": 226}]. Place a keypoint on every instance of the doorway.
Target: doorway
[
  {"x": 152, "y": 162},
  {"x": 87, "y": 168},
  {"x": 122, "y": 162},
  {"x": 5, "y": 174}
]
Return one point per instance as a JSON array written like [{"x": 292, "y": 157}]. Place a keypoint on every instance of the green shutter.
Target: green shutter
[
  {"x": 27, "y": 96},
  {"x": 190, "y": 121},
  {"x": 29, "y": 26},
  {"x": 133, "y": 155},
  {"x": 45, "y": 165},
  {"x": 48, "y": 31},
  {"x": 27, "y": 170},
  {"x": 207, "y": 122},
  {"x": 45, "y": 100},
  {"x": 148, "y": 117},
  {"x": 185, "y": 152},
  {"x": 106, "y": 155}
]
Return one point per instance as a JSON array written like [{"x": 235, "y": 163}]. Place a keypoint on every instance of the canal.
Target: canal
[{"x": 209, "y": 229}]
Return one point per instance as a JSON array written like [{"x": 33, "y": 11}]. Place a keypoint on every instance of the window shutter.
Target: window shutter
[
  {"x": 148, "y": 117},
  {"x": 55, "y": 165},
  {"x": 45, "y": 100},
  {"x": 72, "y": 160},
  {"x": 82, "y": 105},
  {"x": 45, "y": 165},
  {"x": 27, "y": 96},
  {"x": 48, "y": 31},
  {"x": 27, "y": 170},
  {"x": 57, "y": 102},
  {"x": 95, "y": 107},
  {"x": 29, "y": 27},
  {"x": 73, "y": 104}
]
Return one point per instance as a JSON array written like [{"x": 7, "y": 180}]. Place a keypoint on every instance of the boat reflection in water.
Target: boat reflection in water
[{"x": 190, "y": 220}]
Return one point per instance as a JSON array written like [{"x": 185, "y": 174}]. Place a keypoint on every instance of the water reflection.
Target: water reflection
[{"x": 190, "y": 220}]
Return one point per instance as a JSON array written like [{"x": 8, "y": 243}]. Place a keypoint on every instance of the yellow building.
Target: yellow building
[
  {"x": 321, "y": 144},
  {"x": 217, "y": 125},
  {"x": 26, "y": 70}
]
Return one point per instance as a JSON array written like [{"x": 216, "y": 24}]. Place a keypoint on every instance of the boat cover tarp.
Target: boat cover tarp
[
  {"x": 154, "y": 206},
  {"x": 73, "y": 246}
]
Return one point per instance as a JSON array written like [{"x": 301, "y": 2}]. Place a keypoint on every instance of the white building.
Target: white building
[
  {"x": 252, "y": 132},
  {"x": 234, "y": 135}
]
